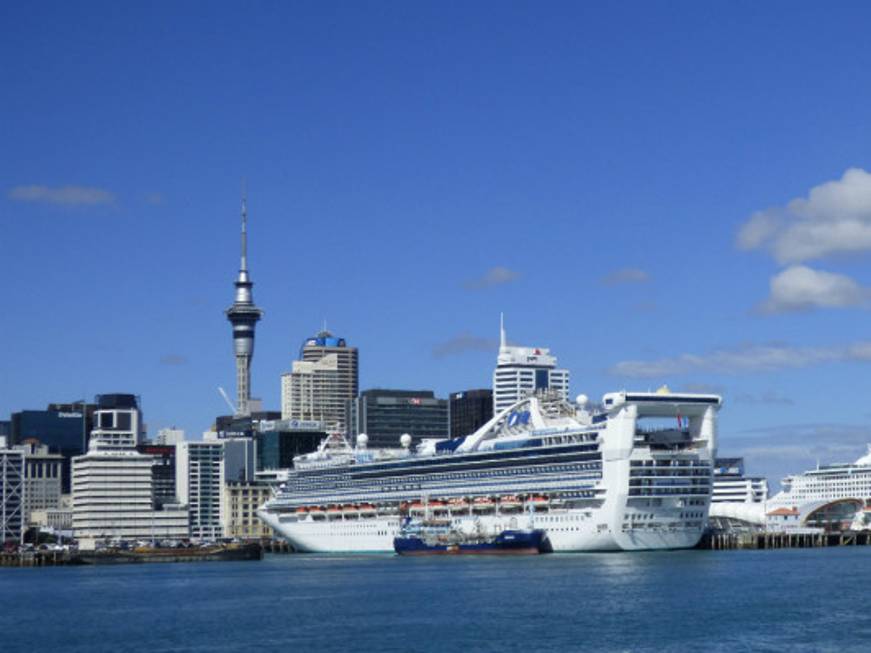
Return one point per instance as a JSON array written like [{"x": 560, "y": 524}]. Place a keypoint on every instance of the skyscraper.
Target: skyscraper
[
  {"x": 521, "y": 371},
  {"x": 322, "y": 381},
  {"x": 385, "y": 415},
  {"x": 470, "y": 410},
  {"x": 243, "y": 315}
]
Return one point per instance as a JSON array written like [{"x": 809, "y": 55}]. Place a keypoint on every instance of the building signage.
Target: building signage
[{"x": 76, "y": 415}]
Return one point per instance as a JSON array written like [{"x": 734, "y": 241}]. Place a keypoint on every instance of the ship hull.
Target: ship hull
[{"x": 567, "y": 532}]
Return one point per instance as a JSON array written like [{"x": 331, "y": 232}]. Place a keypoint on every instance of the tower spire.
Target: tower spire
[
  {"x": 243, "y": 315},
  {"x": 503, "y": 341},
  {"x": 244, "y": 264}
]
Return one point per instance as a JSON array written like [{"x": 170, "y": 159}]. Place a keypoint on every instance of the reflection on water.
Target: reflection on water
[{"x": 800, "y": 600}]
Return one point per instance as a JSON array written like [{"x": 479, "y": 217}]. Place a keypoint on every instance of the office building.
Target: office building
[
  {"x": 169, "y": 437},
  {"x": 113, "y": 490},
  {"x": 240, "y": 501},
  {"x": 521, "y": 371},
  {"x": 236, "y": 426},
  {"x": 325, "y": 377},
  {"x": 240, "y": 459},
  {"x": 63, "y": 427},
  {"x": 243, "y": 316},
  {"x": 162, "y": 472},
  {"x": 11, "y": 494},
  {"x": 199, "y": 468},
  {"x": 42, "y": 479},
  {"x": 470, "y": 410},
  {"x": 385, "y": 415},
  {"x": 278, "y": 441}
]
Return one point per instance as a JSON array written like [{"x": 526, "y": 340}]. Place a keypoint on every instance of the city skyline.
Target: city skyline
[{"x": 605, "y": 177}]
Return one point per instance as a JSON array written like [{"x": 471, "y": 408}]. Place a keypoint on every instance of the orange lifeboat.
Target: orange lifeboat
[
  {"x": 418, "y": 507},
  {"x": 482, "y": 504},
  {"x": 316, "y": 512},
  {"x": 334, "y": 512},
  {"x": 509, "y": 503}
]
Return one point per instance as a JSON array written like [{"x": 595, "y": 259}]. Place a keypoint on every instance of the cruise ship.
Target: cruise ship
[
  {"x": 632, "y": 474},
  {"x": 833, "y": 497}
]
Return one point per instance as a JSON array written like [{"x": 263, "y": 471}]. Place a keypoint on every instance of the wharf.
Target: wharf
[
  {"x": 782, "y": 540},
  {"x": 216, "y": 553}
]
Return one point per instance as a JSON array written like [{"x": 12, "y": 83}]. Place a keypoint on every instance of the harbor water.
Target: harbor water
[{"x": 797, "y": 600}]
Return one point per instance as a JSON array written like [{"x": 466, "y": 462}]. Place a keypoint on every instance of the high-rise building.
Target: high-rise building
[
  {"x": 470, "y": 410},
  {"x": 385, "y": 415},
  {"x": 240, "y": 459},
  {"x": 113, "y": 488},
  {"x": 42, "y": 479},
  {"x": 324, "y": 378},
  {"x": 521, "y": 371},
  {"x": 279, "y": 441},
  {"x": 243, "y": 315},
  {"x": 169, "y": 437},
  {"x": 199, "y": 470},
  {"x": 63, "y": 427},
  {"x": 162, "y": 472},
  {"x": 11, "y": 493}
]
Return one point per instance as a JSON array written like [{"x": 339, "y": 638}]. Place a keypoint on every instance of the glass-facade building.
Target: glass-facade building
[
  {"x": 385, "y": 415},
  {"x": 470, "y": 410},
  {"x": 63, "y": 428},
  {"x": 276, "y": 449}
]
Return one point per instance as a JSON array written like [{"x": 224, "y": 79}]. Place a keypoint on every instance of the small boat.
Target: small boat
[
  {"x": 334, "y": 512},
  {"x": 418, "y": 539},
  {"x": 509, "y": 503}
]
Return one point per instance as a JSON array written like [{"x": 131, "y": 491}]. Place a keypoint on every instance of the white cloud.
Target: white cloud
[
  {"x": 64, "y": 195},
  {"x": 626, "y": 275},
  {"x": 834, "y": 218},
  {"x": 746, "y": 359},
  {"x": 800, "y": 288},
  {"x": 493, "y": 277}
]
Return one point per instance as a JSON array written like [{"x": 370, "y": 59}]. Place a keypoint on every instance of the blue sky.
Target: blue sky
[{"x": 619, "y": 180}]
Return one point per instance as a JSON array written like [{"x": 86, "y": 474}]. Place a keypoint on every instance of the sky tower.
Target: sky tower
[{"x": 243, "y": 315}]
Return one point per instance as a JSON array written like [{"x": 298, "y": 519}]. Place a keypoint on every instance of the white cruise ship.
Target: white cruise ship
[
  {"x": 828, "y": 497},
  {"x": 633, "y": 475}
]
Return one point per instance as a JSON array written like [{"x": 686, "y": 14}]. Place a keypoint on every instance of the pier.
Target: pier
[{"x": 782, "y": 540}]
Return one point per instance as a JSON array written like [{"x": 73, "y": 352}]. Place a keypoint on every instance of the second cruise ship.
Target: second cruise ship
[{"x": 633, "y": 474}]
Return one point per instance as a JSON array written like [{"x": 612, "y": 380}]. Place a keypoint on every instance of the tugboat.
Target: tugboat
[{"x": 441, "y": 537}]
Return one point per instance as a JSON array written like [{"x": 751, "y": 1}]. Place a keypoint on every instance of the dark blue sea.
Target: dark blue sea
[{"x": 786, "y": 600}]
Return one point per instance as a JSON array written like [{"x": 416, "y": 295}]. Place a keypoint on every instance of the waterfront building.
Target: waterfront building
[
  {"x": 240, "y": 501},
  {"x": 169, "y": 437},
  {"x": 42, "y": 479},
  {"x": 11, "y": 493},
  {"x": 521, "y": 371},
  {"x": 199, "y": 477},
  {"x": 732, "y": 486},
  {"x": 243, "y": 315},
  {"x": 54, "y": 519},
  {"x": 278, "y": 441},
  {"x": 385, "y": 415},
  {"x": 113, "y": 490},
  {"x": 325, "y": 377},
  {"x": 470, "y": 410},
  {"x": 62, "y": 427},
  {"x": 162, "y": 472}
]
